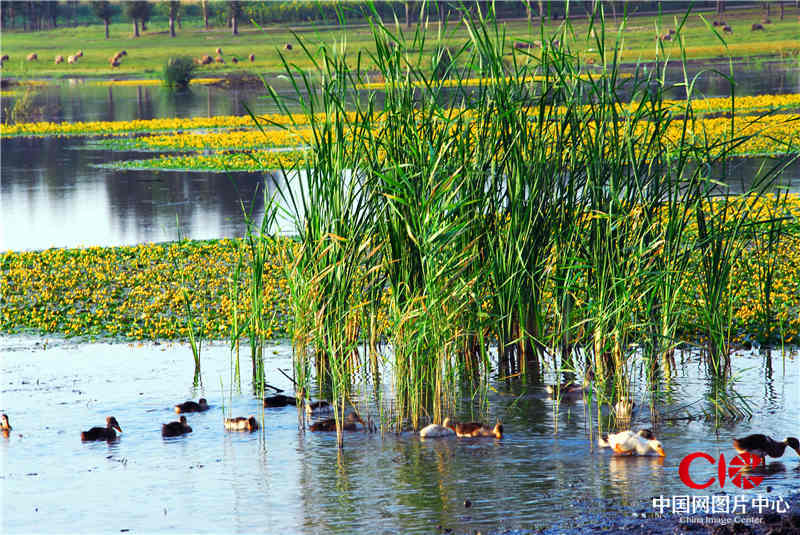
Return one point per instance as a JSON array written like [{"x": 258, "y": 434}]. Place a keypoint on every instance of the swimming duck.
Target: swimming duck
[
  {"x": 318, "y": 408},
  {"x": 762, "y": 445},
  {"x": 174, "y": 429},
  {"x": 4, "y": 425},
  {"x": 241, "y": 424},
  {"x": 352, "y": 422},
  {"x": 604, "y": 442},
  {"x": 103, "y": 433},
  {"x": 437, "y": 431},
  {"x": 191, "y": 406},
  {"x": 630, "y": 443},
  {"x": 476, "y": 429},
  {"x": 279, "y": 400},
  {"x": 570, "y": 391}
]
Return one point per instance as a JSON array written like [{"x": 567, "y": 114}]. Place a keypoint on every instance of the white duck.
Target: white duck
[
  {"x": 437, "y": 431},
  {"x": 630, "y": 443}
]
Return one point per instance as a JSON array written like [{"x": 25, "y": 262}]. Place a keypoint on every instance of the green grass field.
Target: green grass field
[{"x": 148, "y": 53}]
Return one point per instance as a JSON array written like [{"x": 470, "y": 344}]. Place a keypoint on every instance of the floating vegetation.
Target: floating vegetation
[
  {"x": 216, "y": 141},
  {"x": 134, "y": 82},
  {"x": 220, "y": 162},
  {"x": 745, "y": 104}
]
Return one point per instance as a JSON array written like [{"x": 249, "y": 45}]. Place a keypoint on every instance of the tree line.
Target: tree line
[{"x": 46, "y": 15}]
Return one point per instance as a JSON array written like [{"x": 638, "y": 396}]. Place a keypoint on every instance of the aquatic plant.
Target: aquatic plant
[{"x": 178, "y": 72}]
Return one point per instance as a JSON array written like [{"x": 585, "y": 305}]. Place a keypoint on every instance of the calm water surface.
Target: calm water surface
[
  {"x": 285, "y": 480},
  {"x": 52, "y": 196}
]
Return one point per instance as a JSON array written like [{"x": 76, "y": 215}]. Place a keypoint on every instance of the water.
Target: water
[
  {"x": 51, "y": 196},
  {"x": 285, "y": 480}
]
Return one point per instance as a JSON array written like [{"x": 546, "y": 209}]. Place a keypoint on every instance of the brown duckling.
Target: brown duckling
[
  {"x": 174, "y": 429},
  {"x": 762, "y": 445},
  {"x": 241, "y": 423},
  {"x": 570, "y": 391},
  {"x": 279, "y": 400},
  {"x": 352, "y": 422},
  {"x": 476, "y": 429},
  {"x": 103, "y": 433},
  {"x": 318, "y": 408},
  {"x": 191, "y": 406},
  {"x": 4, "y": 425}
]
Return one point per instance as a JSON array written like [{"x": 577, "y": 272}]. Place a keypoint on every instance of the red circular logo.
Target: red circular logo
[{"x": 738, "y": 467}]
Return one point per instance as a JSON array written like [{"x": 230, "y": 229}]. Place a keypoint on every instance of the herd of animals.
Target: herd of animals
[
  {"x": 642, "y": 442},
  {"x": 116, "y": 59}
]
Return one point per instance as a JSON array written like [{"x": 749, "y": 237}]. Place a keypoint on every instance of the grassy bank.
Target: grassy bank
[{"x": 148, "y": 53}]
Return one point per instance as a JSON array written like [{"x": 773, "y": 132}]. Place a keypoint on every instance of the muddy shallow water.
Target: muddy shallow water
[{"x": 286, "y": 480}]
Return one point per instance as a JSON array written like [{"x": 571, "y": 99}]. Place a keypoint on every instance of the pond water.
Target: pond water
[
  {"x": 52, "y": 196},
  {"x": 285, "y": 480}
]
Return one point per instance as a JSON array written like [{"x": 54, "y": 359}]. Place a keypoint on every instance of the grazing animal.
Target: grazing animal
[
  {"x": 219, "y": 59},
  {"x": 762, "y": 445},
  {"x": 251, "y": 57},
  {"x": 727, "y": 29},
  {"x": 4, "y": 57},
  {"x": 71, "y": 59},
  {"x": 79, "y": 54},
  {"x": 666, "y": 37},
  {"x": 191, "y": 406},
  {"x": 279, "y": 400},
  {"x": 241, "y": 424},
  {"x": 476, "y": 429},
  {"x": 767, "y": 21},
  {"x": 175, "y": 429},
  {"x": 4, "y": 424},
  {"x": 205, "y": 60},
  {"x": 287, "y": 46},
  {"x": 672, "y": 31},
  {"x": 114, "y": 63},
  {"x": 437, "y": 431},
  {"x": 219, "y": 51},
  {"x": 59, "y": 59},
  {"x": 122, "y": 53},
  {"x": 630, "y": 443},
  {"x": 604, "y": 442},
  {"x": 102, "y": 433},
  {"x": 756, "y": 27},
  {"x": 234, "y": 59},
  {"x": 32, "y": 57},
  {"x": 350, "y": 423}
]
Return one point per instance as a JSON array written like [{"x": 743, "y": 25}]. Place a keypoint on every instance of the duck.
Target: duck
[
  {"x": 241, "y": 423},
  {"x": 476, "y": 429},
  {"x": 4, "y": 424},
  {"x": 319, "y": 408},
  {"x": 604, "y": 440},
  {"x": 102, "y": 433},
  {"x": 630, "y": 443},
  {"x": 762, "y": 445},
  {"x": 351, "y": 423},
  {"x": 437, "y": 431},
  {"x": 279, "y": 400},
  {"x": 174, "y": 429},
  {"x": 570, "y": 391},
  {"x": 191, "y": 406}
]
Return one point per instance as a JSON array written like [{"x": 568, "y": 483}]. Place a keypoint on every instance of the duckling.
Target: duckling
[
  {"x": 630, "y": 443},
  {"x": 102, "y": 433},
  {"x": 351, "y": 423},
  {"x": 477, "y": 429},
  {"x": 437, "y": 431},
  {"x": 174, "y": 429},
  {"x": 241, "y": 424},
  {"x": 4, "y": 425},
  {"x": 191, "y": 406},
  {"x": 762, "y": 445},
  {"x": 279, "y": 400},
  {"x": 604, "y": 442}
]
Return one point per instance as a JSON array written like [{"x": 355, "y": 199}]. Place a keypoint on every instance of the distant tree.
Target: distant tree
[
  {"x": 234, "y": 12},
  {"x": 408, "y": 14},
  {"x": 147, "y": 11},
  {"x": 136, "y": 11},
  {"x": 205, "y": 12},
  {"x": 104, "y": 12},
  {"x": 174, "y": 11}
]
